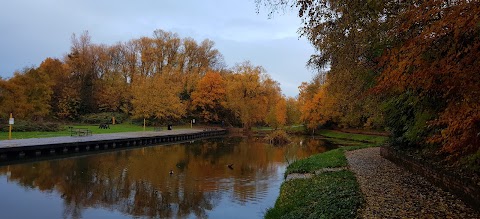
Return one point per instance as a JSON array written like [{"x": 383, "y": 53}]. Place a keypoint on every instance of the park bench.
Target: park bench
[
  {"x": 80, "y": 132},
  {"x": 104, "y": 126}
]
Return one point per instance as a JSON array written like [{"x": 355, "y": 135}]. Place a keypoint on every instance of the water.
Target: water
[{"x": 137, "y": 183}]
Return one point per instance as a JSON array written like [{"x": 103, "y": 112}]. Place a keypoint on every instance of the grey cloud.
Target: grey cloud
[{"x": 34, "y": 30}]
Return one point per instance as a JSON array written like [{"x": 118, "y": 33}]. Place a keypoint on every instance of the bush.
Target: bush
[
  {"x": 28, "y": 126},
  {"x": 96, "y": 118},
  {"x": 278, "y": 137},
  {"x": 407, "y": 116}
]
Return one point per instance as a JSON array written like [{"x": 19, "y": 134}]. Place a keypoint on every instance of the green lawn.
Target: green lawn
[{"x": 94, "y": 128}]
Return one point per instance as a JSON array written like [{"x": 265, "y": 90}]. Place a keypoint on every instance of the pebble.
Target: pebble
[{"x": 392, "y": 192}]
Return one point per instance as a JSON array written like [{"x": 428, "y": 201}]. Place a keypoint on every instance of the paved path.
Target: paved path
[
  {"x": 392, "y": 192},
  {"x": 94, "y": 137}
]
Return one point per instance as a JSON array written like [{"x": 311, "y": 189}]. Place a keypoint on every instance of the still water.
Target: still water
[{"x": 212, "y": 178}]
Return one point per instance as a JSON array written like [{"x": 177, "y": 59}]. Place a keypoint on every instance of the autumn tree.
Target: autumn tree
[
  {"x": 209, "y": 97},
  {"x": 434, "y": 69},
  {"x": 38, "y": 91},
  {"x": 27, "y": 94},
  {"x": 293, "y": 111},
  {"x": 155, "y": 98},
  {"x": 424, "y": 54},
  {"x": 65, "y": 100},
  {"x": 251, "y": 93},
  {"x": 83, "y": 62},
  {"x": 13, "y": 100},
  {"x": 112, "y": 87},
  {"x": 349, "y": 36},
  {"x": 277, "y": 115}
]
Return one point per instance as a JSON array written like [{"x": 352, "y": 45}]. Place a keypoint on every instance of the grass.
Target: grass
[
  {"x": 329, "y": 194},
  {"x": 333, "y": 158},
  {"x": 286, "y": 128},
  {"x": 94, "y": 128},
  {"x": 338, "y": 136},
  {"x": 296, "y": 129}
]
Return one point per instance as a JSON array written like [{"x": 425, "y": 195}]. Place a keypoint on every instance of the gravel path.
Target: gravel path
[{"x": 392, "y": 192}]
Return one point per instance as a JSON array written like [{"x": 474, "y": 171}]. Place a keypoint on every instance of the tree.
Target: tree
[
  {"x": 27, "y": 94},
  {"x": 209, "y": 98},
  {"x": 83, "y": 65},
  {"x": 38, "y": 90},
  {"x": 277, "y": 115},
  {"x": 293, "y": 111},
  {"x": 13, "y": 99},
  {"x": 436, "y": 62},
  {"x": 251, "y": 93},
  {"x": 154, "y": 98},
  {"x": 59, "y": 79},
  {"x": 349, "y": 36}
]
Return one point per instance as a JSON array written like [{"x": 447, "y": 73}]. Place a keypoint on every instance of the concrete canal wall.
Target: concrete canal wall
[
  {"x": 36, "y": 147},
  {"x": 464, "y": 188}
]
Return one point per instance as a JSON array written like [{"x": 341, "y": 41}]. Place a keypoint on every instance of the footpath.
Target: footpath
[{"x": 392, "y": 192}]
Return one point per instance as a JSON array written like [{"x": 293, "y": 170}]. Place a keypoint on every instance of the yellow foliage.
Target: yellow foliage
[
  {"x": 153, "y": 97},
  {"x": 251, "y": 94}
]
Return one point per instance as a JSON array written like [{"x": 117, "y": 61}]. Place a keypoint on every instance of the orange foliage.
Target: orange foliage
[
  {"x": 440, "y": 55},
  {"x": 281, "y": 112},
  {"x": 210, "y": 96}
]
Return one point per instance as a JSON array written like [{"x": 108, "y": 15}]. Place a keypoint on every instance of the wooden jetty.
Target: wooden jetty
[{"x": 36, "y": 147}]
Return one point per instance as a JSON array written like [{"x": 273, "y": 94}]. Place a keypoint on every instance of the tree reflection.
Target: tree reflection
[{"x": 137, "y": 182}]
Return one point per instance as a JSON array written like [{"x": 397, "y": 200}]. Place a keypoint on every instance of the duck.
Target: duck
[
  {"x": 230, "y": 166},
  {"x": 171, "y": 172}
]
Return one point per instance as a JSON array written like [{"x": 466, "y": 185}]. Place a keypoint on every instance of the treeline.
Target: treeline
[
  {"x": 411, "y": 67},
  {"x": 164, "y": 79}
]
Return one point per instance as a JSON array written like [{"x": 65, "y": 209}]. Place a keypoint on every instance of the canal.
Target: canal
[{"x": 228, "y": 177}]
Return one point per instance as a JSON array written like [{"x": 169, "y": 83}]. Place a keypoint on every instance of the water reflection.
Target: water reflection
[{"x": 209, "y": 177}]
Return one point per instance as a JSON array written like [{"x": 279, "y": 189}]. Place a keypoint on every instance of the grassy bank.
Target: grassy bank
[
  {"x": 328, "y": 194},
  {"x": 343, "y": 138},
  {"x": 94, "y": 128}
]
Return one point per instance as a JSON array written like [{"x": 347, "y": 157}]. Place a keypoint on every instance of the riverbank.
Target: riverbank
[
  {"x": 353, "y": 181},
  {"x": 322, "y": 186}
]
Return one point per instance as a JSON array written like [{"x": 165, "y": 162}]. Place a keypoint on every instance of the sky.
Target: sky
[{"x": 31, "y": 31}]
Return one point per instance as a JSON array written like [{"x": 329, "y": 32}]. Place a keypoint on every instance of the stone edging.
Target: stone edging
[
  {"x": 308, "y": 175},
  {"x": 464, "y": 189}
]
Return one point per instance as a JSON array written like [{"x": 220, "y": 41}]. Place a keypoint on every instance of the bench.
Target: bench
[
  {"x": 104, "y": 126},
  {"x": 79, "y": 132}
]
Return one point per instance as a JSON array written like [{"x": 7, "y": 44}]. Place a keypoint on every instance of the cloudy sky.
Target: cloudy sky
[{"x": 34, "y": 30}]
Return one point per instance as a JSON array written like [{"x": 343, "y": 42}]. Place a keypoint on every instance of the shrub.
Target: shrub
[
  {"x": 278, "y": 137},
  {"x": 29, "y": 126},
  {"x": 96, "y": 118}
]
